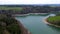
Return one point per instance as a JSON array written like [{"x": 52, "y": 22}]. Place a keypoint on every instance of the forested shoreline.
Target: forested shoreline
[{"x": 9, "y": 25}]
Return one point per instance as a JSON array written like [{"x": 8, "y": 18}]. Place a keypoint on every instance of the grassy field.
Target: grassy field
[
  {"x": 54, "y": 20},
  {"x": 10, "y": 8}
]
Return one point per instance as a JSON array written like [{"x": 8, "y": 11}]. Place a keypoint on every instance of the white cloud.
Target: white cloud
[{"x": 29, "y": 1}]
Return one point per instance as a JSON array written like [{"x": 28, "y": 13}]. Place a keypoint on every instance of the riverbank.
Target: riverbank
[
  {"x": 23, "y": 29},
  {"x": 45, "y": 21},
  {"x": 9, "y": 25},
  {"x": 30, "y": 14}
]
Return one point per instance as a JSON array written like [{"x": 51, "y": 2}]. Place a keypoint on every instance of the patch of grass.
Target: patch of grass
[
  {"x": 54, "y": 20},
  {"x": 11, "y": 8}
]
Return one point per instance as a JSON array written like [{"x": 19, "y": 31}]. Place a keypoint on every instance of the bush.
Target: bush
[{"x": 14, "y": 28}]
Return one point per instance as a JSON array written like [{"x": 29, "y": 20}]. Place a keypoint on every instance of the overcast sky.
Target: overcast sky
[{"x": 29, "y": 1}]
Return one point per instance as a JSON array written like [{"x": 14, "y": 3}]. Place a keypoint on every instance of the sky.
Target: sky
[{"x": 2, "y": 2}]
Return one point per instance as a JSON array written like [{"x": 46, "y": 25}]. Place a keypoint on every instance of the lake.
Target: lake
[{"x": 36, "y": 25}]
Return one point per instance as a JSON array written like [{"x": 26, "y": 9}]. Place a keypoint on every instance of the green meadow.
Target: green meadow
[
  {"x": 10, "y": 8},
  {"x": 54, "y": 20}
]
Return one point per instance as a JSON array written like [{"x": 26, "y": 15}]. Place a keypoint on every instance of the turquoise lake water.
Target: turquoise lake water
[{"x": 36, "y": 25}]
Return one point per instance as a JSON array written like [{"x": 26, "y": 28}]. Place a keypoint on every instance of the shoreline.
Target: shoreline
[
  {"x": 29, "y": 14},
  {"x": 23, "y": 29},
  {"x": 45, "y": 21}
]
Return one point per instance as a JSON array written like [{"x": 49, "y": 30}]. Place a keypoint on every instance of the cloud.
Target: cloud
[{"x": 29, "y": 1}]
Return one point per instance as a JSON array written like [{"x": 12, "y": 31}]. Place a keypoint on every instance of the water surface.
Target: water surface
[{"x": 36, "y": 25}]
